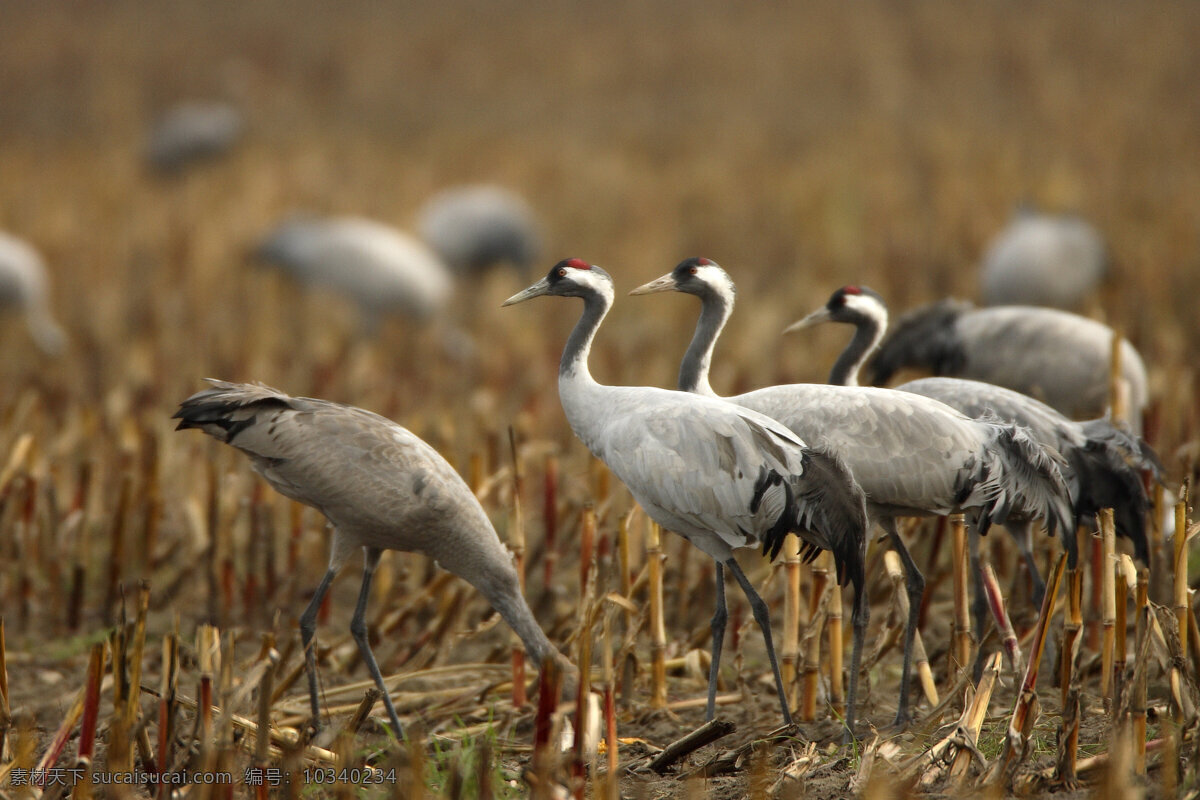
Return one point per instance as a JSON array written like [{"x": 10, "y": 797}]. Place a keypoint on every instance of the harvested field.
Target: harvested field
[{"x": 803, "y": 147}]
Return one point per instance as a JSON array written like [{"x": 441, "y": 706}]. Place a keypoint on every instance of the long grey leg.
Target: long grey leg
[
  {"x": 861, "y": 616},
  {"x": 358, "y": 628},
  {"x": 308, "y": 629},
  {"x": 914, "y": 582},
  {"x": 1022, "y": 535},
  {"x": 720, "y": 616},
  {"x": 763, "y": 617}
]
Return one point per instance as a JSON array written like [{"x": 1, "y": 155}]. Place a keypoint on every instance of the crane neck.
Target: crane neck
[
  {"x": 574, "y": 363},
  {"x": 715, "y": 310},
  {"x": 867, "y": 334}
]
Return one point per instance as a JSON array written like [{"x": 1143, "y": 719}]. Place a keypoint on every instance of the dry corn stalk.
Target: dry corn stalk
[
  {"x": 952, "y": 755},
  {"x": 972, "y": 720},
  {"x": 812, "y": 656},
  {"x": 545, "y": 752},
  {"x": 1118, "y": 389},
  {"x": 91, "y": 714},
  {"x": 1108, "y": 602},
  {"x": 960, "y": 650},
  {"x": 658, "y": 630},
  {"x": 1180, "y": 567},
  {"x": 5, "y": 710},
  {"x": 1123, "y": 569},
  {"x": 610, "y": 712},
  {"x": 1138, "y": 698},
  {"x": 995, "y": 598},
  {"x": 1072, "y": 624},
  {"x": 790, "y": 649},
  {"x": 628, "y": 662},
  {"x": 1015, "y": 744}
]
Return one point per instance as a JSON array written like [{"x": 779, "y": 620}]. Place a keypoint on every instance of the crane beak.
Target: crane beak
[
  {"x": 815, "y": 318},
  {"x": 664, "y": 284},
  {"x": 537, "y": 290}
]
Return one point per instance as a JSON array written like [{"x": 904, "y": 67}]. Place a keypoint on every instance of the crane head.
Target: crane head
[
  {"x": 571, "y": 277},
  {"x": 852, "y": 304},
  {"x": 698, "y": 276}
]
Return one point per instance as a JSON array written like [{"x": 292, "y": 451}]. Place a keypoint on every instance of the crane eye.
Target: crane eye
[
  {"x": 693, "y": 270},
  {"x": 562, "y": 272}
]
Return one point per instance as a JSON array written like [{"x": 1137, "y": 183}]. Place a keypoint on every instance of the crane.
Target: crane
[
  {"x": 380, "y": 268},
  {"x": 1060, "y": 358},
  {"x": 23, "y": 287},
  {"x": 1103, "y": 462},
  {"x": 1043, "y": 259},
  {"x": 722, "y": 477},
  {"x": 911, "y": 455},
  {"x": 192, "y": 132},
  {"x": 381, "y": 488},
  {"x": 477, "y": 226}
]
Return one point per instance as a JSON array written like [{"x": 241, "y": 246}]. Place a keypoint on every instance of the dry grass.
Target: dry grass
[{"x": 803, "y": 147}]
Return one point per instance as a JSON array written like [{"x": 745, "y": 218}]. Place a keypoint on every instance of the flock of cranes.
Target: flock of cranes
[
  {"x": 994, "y": 436},
  {"x": 823, "y": 461}
]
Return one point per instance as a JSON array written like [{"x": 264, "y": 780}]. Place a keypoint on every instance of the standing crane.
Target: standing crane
[
  {"x": 478, "y": 226},
  {"x": 192, "y": 132},
  {"x": 380, "y": 268},
  {"x": 911, "y": 455},
  {"x": 1060, "y": 358},
  {"x": 1043, "y": 259},
  {"x": 380, "y": 487},
  {"x": 1103, "y": 463},
  {"x": 722, "y": 477},
  {"x": 23, "y": 287}
]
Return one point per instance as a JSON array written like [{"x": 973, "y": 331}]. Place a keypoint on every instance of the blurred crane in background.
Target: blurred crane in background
[
  {"x": 1043, "y": 259},
  {"x": 24, "y": 288},
  {"x": 191, "y": 133},
  {"x": 383, "y": 270},
  {"x": 479, "y": 226}
]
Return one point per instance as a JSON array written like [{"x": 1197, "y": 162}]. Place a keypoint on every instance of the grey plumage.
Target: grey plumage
[
  {"x": 912, "y": 456},
  {"x": 1102, "y": 463},
  {"x": 479, "y": 226},
  {"x": 1043, "y": 259},
  {"x": 383, "y": 270},
  {"x": 381, "y": 488},
  {"x": 1060, "y": 358},
  {"x": 24, "y": 288},
  {"x": 192, "y": 132},
  {"x": 720, "y": 476}
]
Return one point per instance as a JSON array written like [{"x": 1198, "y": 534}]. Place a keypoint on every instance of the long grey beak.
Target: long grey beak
[
  {"x": 815, "y": 318},
  {"x": 664, "y": 284},
  {"x": 537, "y": 290}
]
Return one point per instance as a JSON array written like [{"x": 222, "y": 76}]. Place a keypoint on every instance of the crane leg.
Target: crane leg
[
  {"x": 358, "y": 629},
  {"x": 308, "y": 630},
  {"x": 763, "y": 618},
  {"x": 860, "y": 616},
  {"x": 1022, "y": 535},
  {"x": 720, "y": 616},
  {"x": 914, "y": 582}
]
